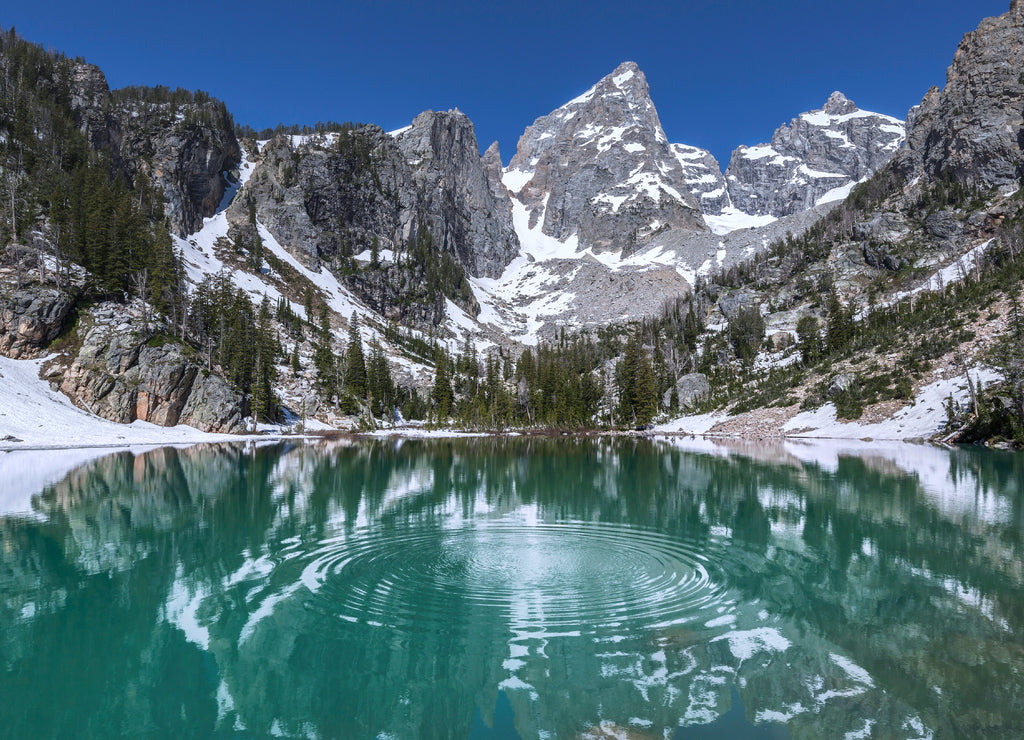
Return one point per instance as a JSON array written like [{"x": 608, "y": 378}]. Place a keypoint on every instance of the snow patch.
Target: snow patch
[{"x": 732, "y": 219}]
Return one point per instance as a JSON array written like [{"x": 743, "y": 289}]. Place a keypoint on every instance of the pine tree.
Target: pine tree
[
  {"x": 809, "y": 338},
  {"x": 645, "y": 392},
  {"x": 355, "y": 363},
  {"x": 380, "y": 384},
  {"x": 841, "y": 328},
  {"x": 323, "y": 357},
  {"x": 442, "y": 394},
  {"x": 264, "y": 402},
  {"x": 638, "y": 400}
]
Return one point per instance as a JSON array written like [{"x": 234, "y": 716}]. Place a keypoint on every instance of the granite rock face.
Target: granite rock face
[
  {"x": 31, "y": 318},
  {"x": 186, "y": 150},
  {"x": 600, "y": 169},
  {"x": 468, "y": 212},
  {"x": 703, "y": 176},
  {"x": 188, "y": 153},
  {"x": 814, "y": 159},
  {"x": 972, "y": 130},
  {"x": 119, "y": 376},
  {"x": 692, "y": 389},
  {"x": 425, "y": 189}
]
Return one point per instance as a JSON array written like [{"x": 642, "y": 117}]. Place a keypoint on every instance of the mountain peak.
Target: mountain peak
[
  {"x": 628, "y": 78},
  {"x": 839, "y": 105}
]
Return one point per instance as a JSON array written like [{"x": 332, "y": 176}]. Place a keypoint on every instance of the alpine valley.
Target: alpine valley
[{"x": 856, "y": 275}]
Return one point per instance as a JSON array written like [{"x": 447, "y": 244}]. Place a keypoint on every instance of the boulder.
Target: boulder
[
  {"x": 31, "y": 318},
  {"x": 841, "y": 384},
  {"x": 692, "y": 389}
]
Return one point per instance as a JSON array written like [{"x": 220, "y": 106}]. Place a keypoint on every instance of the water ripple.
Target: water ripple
[{"x": 570, "y": 577}]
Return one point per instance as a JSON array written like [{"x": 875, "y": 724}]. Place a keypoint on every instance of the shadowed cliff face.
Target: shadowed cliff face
[
  {"x": 972, "y": 131},
  {"x": 423, "y": 195},
  {"x": 186, "y": 150},
  {"x": 468, "y": 209},
  {"x": 428, "y": 589}
]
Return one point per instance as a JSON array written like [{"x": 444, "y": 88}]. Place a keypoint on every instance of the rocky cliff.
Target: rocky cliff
[
  {"x": 703, "y": 176},
  {"x": 422, "y": 199},
  {"x": 469, "y": 212},
  {"x": 183, "y": 143},
  {"x": 326, "y": 197},
  {"x": 124, "y": 372},
  {"x": 815, "y": 158},
  {"x": 601, "y": 169},
  {"x": 972, "y": 130},
  {"x": 31, "y": 317}
]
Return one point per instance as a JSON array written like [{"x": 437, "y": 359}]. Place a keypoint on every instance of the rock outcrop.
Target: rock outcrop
[
  {"x": 422, "y": 196},
  {"x": 703, "y": 175},
  {"x": 120, "y": 375},
  {"x": 814, "y": 159},
  {"x": 468, "y": 214},
  {"x": 972, "y": 130},
  {"x": 601, "y": 169},
  {"x": 187, "y": 149},
  {"x": 691, "y": 390},
  {"x": 32, "y": 317}
]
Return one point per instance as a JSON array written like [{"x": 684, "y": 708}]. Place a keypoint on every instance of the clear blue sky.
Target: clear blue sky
[{"x": 722, "y": 72}]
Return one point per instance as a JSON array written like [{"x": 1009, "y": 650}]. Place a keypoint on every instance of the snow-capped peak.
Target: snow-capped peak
[
  {"x": 814, "y": 159},
  {"x": 602, "y": 158}
]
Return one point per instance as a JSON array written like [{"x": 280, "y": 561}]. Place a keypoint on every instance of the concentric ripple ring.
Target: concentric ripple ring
[{"x": 572, "y": 577}]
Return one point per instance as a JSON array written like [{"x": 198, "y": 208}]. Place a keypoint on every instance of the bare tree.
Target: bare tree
[{"x": 140, "y": 286}]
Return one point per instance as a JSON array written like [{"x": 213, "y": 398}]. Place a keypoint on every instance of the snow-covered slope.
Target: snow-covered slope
[{"x": 36, "y": 416}]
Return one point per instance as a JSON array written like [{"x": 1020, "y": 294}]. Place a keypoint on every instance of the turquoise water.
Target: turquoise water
[{"x": 513, "y": 588}]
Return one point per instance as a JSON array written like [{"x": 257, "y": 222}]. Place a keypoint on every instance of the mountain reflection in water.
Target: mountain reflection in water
[{"x": 508, "y": 588}]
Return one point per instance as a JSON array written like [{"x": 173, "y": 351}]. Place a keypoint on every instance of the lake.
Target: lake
[{"x": 513, "y": 588}]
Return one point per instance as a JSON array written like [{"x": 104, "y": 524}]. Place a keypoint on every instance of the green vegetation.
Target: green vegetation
[
  {"x": 112, "y": 226},
  {"x": 233, "y": 334}
]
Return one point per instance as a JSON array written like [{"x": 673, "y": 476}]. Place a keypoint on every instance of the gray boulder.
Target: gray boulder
[
  {"x": 692, "y": 390},
  {"x": 31, "y": 318},
  {"x": 840, "y": 384}
]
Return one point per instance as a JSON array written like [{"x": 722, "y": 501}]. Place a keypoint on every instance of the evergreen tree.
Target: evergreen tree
[
  {"x": 323, "y": 357},
  {"x": 809, "y": 338},
  {"x": 381, "y": 386},
  {"x": 840, "y": 330},
  {"x": 638, "y": 400},
  {"x": 442, "y": 394},
  {"x": 355, "y": 363},
  {"x": 264, "y": 401},
  {"x": 746, "y": 332},
  {"x": 645, "y": 393}
]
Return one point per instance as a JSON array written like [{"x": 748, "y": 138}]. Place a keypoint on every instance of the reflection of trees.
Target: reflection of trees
[{"x": 862, "y": 558}]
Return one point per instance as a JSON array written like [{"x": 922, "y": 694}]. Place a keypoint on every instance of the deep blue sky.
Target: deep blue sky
[{"x": 722, "y": 72}]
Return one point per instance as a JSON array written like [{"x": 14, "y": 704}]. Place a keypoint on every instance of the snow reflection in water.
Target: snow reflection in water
[{"x": 560, "y": 588}]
